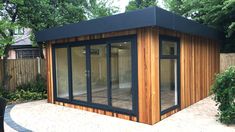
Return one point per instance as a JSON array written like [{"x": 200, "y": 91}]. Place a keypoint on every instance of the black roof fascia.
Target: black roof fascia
[
  {"x": 176, "y": 22},
  {"x": 152, "y": 16},
  {"x": 130, "y": 20}
]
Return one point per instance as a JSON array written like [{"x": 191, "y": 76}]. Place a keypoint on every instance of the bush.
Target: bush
[
  {"x": 34, "y": 90},
  {"x": 224, "y": 91},
  {"x": 39, "y": 85}
]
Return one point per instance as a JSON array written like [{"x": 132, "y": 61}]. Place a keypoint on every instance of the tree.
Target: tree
[
  {"x": 6, "y": 39},
  {"x": 140, "y": 4},
  {"x": 217, "y": 13},
  {"x": 8, "y": 21},
  {"x": 41, "y": 14},
  {"x": 100, "y": 8}
]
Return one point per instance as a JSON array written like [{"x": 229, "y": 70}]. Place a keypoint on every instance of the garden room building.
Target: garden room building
[{"x": 143, "y": 65}]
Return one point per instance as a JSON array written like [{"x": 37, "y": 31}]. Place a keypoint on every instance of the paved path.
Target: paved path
[{"x": 43, "y": 117}]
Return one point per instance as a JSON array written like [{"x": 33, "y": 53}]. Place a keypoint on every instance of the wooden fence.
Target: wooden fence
[
  {"x": 226, "y": 60},
  {"x": 23, "y": 70}
]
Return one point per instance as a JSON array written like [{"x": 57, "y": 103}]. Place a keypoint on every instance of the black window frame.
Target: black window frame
[
  {"x": 33, "y": 53},
  {"x": 175, "y": 57},
  {"x": 88, "y": 103}
]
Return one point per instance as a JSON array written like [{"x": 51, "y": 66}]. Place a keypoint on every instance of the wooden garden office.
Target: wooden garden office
[{"x": 143, "y": 65}]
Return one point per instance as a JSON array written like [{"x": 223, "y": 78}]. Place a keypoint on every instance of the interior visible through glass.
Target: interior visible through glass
[
  {"x": 169, "y": 48},
  {"x": 121, "y": 75},
  {"x": 79, "y": 84},
  {"x": 99, "y": 74},
  {"x": 61, "y": 61},
  {"x": 89, "y": 77},
  {"x": 168, "y": 83}
]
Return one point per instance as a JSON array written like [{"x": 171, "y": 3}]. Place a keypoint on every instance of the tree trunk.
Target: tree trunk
[
  {"x": 6, "y": 76},
  {"x": 41, "y": 51}
]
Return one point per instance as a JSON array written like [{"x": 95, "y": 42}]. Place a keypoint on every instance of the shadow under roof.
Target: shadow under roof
[{"x": 152, "y": 16}]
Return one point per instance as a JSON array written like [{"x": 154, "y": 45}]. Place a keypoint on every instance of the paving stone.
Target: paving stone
[{"x": 40, "y": 116}]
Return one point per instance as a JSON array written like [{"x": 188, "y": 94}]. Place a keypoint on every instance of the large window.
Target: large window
[
  {"x": 169, "y": 73},
  {"x": 100, "y": 74}
]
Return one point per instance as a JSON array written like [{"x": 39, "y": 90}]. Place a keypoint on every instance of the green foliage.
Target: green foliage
[
  {"x": 5, "y": 37},
  {"x": 140, "y": 4},
  {"x": 100, "y": 8},
  {"x": 41, "y": 14},
  {"x": 22, "y": 95},
  {"x": 224, "y": 91},
  {"x": 217, "y": 13},
  {"x": 34, "y": 90},
  {"x": 39, "y": 85}
]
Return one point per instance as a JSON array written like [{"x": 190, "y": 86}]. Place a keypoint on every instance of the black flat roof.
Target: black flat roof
[{"x": 152, "y": 16}]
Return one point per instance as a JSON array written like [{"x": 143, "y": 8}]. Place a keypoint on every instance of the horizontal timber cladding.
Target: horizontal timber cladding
[{"x": 199, "y": 61}]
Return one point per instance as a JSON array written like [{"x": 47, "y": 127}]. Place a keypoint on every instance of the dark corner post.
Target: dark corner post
[{"x": 3, "y": 104}]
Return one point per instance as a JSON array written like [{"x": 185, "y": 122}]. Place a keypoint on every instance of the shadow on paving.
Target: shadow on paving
[{"x": 11, "y": 123}]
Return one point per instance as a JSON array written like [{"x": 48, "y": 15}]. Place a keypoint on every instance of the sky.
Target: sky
[{"x": 123, "y": 3}]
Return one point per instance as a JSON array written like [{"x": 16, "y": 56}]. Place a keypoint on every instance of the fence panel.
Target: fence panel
[
  {"x": 24, "y": 70},
  {"x": 226, "y": 60}
]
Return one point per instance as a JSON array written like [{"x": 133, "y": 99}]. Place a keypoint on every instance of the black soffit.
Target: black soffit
[{"x": 152, "y": 16}]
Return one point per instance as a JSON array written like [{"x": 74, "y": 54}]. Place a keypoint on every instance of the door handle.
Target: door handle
[{"x": 87, "y": 73}]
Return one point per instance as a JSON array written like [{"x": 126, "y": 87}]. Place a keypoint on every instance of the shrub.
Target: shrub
[
  {"x": 39, "y": 85},
  {"x": 3, "y": 93},
  {"x": 34, "y": 90},
  {"x": 224, "y": 91}
]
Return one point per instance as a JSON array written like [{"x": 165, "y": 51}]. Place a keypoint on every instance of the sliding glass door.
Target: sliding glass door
[
  {"x": 169, "y": 73},
  {"x": 100, "y": 74}
]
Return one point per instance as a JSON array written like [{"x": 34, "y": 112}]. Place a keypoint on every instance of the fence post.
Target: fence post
[{"x": 39, "y": 65}]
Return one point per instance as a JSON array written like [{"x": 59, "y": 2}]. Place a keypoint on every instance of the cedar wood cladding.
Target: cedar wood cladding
[{"x": 199, "y": 61}]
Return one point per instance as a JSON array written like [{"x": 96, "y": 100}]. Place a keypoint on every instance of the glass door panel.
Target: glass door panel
[
  {"x": 168, "y": 83},
  {"x": 98, "y": 57},
  {"x": 169, "y": 74},
  {"x": 121, "y": 69},
  {"x": 79, "y": 78},
  {"x": 61, "y": 64}
]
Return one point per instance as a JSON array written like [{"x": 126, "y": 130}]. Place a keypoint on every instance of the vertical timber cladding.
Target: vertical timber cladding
[
  {"x": 50, "y": 73},
  {"x": 148, "y": 77},
  {"x": 199, "y": 62}
]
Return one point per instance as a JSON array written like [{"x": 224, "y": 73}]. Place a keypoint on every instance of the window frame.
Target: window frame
[
  {"x": 88, "y": 103},
  {"x": 168, "y": 57},
  {"x": 34, "y": 53}
]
